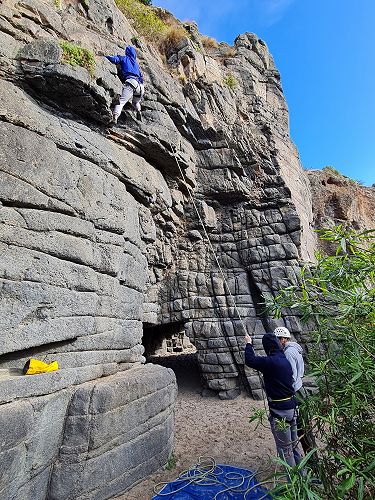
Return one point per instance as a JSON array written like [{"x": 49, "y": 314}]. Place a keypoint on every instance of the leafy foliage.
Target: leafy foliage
[
  {"x": 78, "y": 56},
  {"x": 259, "y": 416},
  {"x": 171, "y": 463},
  {"x": 337, "y": 297},
  {"x": 296, "y": 483},
  {"x": 148, "y": 24},
  {"x": 145, "y": 20},
  {"x": 230, "y": 81}
]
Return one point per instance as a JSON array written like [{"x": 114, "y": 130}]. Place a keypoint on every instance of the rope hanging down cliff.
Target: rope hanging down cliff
[{"x": 174, "y": 153}]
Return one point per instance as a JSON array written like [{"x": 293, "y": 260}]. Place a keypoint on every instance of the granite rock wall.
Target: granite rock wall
[
  {"x": 340, "y": 200},
  {"x": 101, "y": 238}
]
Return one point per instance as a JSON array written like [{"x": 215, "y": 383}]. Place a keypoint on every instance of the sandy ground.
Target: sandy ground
[{"x": 209, "y": 427}]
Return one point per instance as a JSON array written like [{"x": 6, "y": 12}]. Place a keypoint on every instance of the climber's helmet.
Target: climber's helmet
[{"x": 281, "y": 331}]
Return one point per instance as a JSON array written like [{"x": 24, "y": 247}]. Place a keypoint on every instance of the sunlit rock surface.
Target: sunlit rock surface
[{"x": 101, "y": 244}]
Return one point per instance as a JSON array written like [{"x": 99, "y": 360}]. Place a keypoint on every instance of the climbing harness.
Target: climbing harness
[
  {"x": 207, "y": 477},
  {"x": 278, "y": 400}
]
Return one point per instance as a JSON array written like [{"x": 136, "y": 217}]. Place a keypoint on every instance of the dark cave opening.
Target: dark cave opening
[{"x": 168, "y": 346}]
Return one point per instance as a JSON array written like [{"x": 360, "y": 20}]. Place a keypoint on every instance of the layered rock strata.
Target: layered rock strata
[
  {"x": 91, "y": 440},
  {"x": 102, "y": 241},
  {"x": 340, "y": 200}
]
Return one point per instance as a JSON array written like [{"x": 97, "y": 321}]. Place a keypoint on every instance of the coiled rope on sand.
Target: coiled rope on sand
[{"x": 207, "y": 473}]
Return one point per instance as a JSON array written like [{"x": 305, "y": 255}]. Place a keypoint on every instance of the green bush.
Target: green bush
[
  {"x": 147, "y": 22},
  {"x": 78, "y": 56},
  {"x": 336, "y": 297},
  {"x": 230, "y": 81}
]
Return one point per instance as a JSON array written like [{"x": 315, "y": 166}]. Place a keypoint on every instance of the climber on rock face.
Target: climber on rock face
[{"x": 132, "y": 81}]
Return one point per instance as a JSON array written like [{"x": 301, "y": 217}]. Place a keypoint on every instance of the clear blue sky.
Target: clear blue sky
[{"x": 325, "y": 52}]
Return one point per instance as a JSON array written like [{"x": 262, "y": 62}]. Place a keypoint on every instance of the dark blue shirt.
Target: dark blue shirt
[{"x": 277, "y": 376}]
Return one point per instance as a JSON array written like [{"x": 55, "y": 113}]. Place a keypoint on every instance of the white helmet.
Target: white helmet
[{"x": 281, "y": 331}]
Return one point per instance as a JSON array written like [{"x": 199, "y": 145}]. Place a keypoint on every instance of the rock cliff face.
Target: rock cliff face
[
  {"x": 102, "y": 242},
  {"x": 340, "y": 200}
]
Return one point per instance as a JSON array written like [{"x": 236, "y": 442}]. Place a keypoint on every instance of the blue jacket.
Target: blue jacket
[
  {"x": 128, "y": 64},
  {"x": 277, "y": 372}
]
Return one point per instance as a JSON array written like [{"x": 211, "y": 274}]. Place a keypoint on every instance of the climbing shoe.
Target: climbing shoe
[{"x": 139, "y": 116}]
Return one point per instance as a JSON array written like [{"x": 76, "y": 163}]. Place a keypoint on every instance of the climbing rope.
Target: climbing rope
[
  {"x": 206, "y": 473},
  {"x": 208, "y": 239},
  {"x": 174, "y": 152}
]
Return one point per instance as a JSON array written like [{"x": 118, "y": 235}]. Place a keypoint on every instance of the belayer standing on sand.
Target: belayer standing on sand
[
  {"x": 132, "y": 81},
  {"x": 293, "y": 353},
  {"x": 278, "y": 382}
]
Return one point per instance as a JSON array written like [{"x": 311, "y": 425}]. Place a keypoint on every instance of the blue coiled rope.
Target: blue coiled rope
[{"x": 208, "y": 481}]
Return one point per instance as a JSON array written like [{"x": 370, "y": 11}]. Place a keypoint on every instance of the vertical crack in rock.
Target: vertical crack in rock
[{"x": 258, "y": 302}]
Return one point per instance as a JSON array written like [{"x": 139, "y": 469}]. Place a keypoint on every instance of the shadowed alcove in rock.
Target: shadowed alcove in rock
[{"x": 167, "y": 345}]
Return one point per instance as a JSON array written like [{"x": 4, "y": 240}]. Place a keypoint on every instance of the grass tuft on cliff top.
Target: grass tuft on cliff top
[
  {"x": 209, "y": 42},
  {"x": 335, "y": 172},
  {"x": 163, "y": 32},
  {"x": 77, "y": 56}
]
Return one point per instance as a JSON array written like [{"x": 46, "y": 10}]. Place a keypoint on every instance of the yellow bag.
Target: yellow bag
[{"x": 34, "y": 366}]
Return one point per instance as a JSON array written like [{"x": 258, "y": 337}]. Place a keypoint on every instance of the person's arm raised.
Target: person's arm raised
[
  {"x": 113, "y": 59},
  {"x": 257, "y": 362}
]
